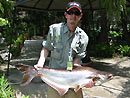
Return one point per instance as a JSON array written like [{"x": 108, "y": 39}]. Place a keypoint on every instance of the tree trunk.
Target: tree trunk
[
  {"x": 103, "y": 36},
  {"x": 126, "y": 34}
]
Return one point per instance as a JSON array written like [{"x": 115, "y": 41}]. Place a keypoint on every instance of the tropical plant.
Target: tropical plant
[
  {"x": 6, "y": 14},
  {"x": 103, "y": 50},
  {"x": 6, "y": 90},
  {"x": 124, "y": 50},
  {"x": 3, "y": 22},
  {"x": 115, "y": 34}
]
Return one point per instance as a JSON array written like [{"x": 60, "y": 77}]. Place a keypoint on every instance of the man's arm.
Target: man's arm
[{"x": 43, "y": 56}]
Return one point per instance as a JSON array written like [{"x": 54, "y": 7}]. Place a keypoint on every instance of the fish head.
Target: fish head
[{"x": 102, "y": 78}]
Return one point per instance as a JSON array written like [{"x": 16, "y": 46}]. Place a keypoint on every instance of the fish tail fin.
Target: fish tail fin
[{"x": 28, "y": 71}]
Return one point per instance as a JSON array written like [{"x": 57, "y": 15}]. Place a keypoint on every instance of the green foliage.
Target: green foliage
[
  {"x": 16, "y": 48},
  {"x": 115, "y": 34},
  {"x": 124, "y": 50},
  {"x": 115, "y": 37},
  {"x": 15, "y": 51},
  {"x": 3, "y": 22},
  {"x": 103, "y": 50},
  {"x": 6, "y": 91},
  {"x": 114, "y": 6},
  {"x": 19, "y": 39},
  {"x": 1, "y": 8},
  {"x": 6, "y": 14}
]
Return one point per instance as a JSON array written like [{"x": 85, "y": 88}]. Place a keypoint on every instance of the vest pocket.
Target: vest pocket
[{"x": 57, "y": 52}]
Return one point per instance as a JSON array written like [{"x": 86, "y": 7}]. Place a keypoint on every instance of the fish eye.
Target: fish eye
[
  {"x": 110, "y": 76},
  {"x": 95, "y": 78}
]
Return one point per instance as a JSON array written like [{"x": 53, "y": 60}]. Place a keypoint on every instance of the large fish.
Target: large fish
[{"x": 62, "y": 80}]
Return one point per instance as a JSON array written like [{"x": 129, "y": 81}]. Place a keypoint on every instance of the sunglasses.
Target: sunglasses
[{"x": 71, "y": 12}]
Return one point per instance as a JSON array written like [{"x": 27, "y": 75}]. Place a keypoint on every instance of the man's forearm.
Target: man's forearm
[{"x": 43, "y": 56}]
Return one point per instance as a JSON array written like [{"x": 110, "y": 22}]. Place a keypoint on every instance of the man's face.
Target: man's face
[{"x": 73, "y": 16}]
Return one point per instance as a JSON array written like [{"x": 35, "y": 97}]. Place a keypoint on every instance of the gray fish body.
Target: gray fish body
[{"x": 62, "y": 80}]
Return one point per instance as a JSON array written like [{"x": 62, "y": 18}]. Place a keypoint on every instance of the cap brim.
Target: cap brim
[{"x": 74, "y": 7}]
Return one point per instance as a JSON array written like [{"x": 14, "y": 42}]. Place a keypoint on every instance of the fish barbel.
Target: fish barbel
[{"x": 62, "y": 80}]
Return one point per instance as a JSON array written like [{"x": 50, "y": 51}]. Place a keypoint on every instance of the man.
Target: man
[{"x": 67, "y": 44}]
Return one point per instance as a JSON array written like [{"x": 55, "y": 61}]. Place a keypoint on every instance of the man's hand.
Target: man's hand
[
  {"x": 90, "y": 84},
  {"x": 37, "y": 67}
]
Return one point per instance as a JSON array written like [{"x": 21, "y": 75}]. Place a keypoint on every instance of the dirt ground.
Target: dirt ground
[{"x": 119, "y": 87}]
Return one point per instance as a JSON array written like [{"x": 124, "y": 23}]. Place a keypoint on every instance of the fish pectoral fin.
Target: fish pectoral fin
[
  {"x": 61, "y": 91},
  {"x": 76, "y": 88}
]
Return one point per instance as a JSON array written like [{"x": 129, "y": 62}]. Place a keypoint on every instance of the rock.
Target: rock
[
  {"x": 1, "y": 60},
  {"x": 2, "y": 40},
  {"x": 4, "y": 55}
]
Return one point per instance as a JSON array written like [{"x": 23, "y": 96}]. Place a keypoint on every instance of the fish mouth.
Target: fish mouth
[{"x": 99, "y": 81}]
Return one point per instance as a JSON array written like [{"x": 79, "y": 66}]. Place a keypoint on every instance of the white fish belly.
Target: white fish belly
[{"x": 66, "y": 79}]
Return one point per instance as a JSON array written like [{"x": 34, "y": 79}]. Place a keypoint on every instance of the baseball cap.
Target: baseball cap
[{"x": 73, "y": 5}]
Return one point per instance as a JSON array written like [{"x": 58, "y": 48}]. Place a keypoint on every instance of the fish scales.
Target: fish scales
[{"x": 62, "y": 80}]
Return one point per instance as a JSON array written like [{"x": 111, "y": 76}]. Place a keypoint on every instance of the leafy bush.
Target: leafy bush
[
  {"x": 115, "y": 38},
  {"x": 15, "y": 51},
  {"x": 124, "y": 50},
  {"x": 19, "y": 39},
  {"x": 103, "y": 50},
  {"x": 6, "y": 90},
  {"x": 115, "y": 34},
  {"x": 3, "y": 22},
  {"x": 16, "y": 48}
]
